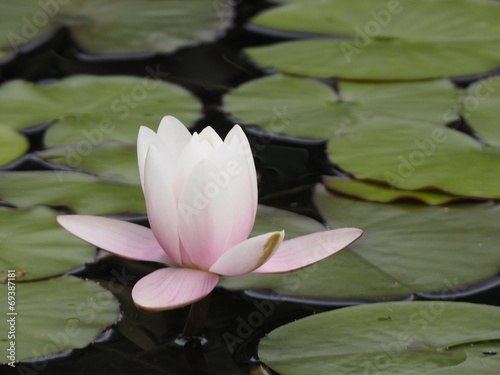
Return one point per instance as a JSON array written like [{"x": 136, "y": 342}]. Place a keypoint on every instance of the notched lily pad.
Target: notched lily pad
[
  {"x": 377, "y": 192},
  {"x": 87, "y": 110},
  {"x": 384, "y": 40},
  {"x": 54, "y": 316},
  {"x": 434, "y": 338},
  {"x": 114, "y": 26},
  {"x": 36, "y": 246},
  {"x": 481, "y": 109},
  {"x": 307, "y": 108},
  {"x": 419, "y": 156},
  {"x": 12, "y": 145},
  {"x": 82, "y": 193}
]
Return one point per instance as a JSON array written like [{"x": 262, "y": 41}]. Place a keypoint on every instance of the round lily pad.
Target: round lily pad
[
  {"x": 377, "y": 192},
  {"x": 419, "y": 156},
  {"x": 304, "y": 107},
  {"x": 481, "y": 109},
  {"x": 54, "y": 316},
  {"x": 110, "y": 160},
  {"x": 34, "y": 244},
  {"x": 87, "y": 110},
  {"x": 434, "y": 338},
  {"x": 12, "y": 145},
  {"x": 383, "y": 40},
  {"x": 114, "y": 26},
  {"x": 405, "y": 249},
  {"x": 82, "y": 193}
]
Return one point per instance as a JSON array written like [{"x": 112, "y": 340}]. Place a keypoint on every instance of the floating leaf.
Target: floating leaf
[
  {"x": 294, "y": 224},
  {"x": 83, "y": 193},
  {"x": 111, "y": 160},
  {"x": 435, "y": 338},
  {"x": 12, "y": 145},
  {"x": 56, "y": 315},
  {"x": 114, "y": 26},
  {"x": 377, "y": 192},
  {"x": 88, "y": 110},
  {"x": 418, "y": 156},
  {"x": 481, "y": 109},
  {"x": 307, "y": 108},
  {"x": 395, "y": 40},
  {"x": 405, "y": 249},
  {"x": 33, "y": 243}
]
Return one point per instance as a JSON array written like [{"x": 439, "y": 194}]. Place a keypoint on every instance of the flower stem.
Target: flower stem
[{"x": 196, "y": 318}]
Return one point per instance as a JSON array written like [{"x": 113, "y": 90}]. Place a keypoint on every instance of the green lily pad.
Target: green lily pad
[
  {"x": 12, "y": 145},
  {"x": 88, "y": 110},
  {"x": 294, "y": 224},
  {"x": 33, "y": 243},
  {"x": 376, "y": 192},
  {"x": 384, "y": 40},
  {"x": 419, "y": 156},
  {"x": 110, "y": 160},
  {"x": 445, "y": 338},
  {"x": 307, "y": 108},
  {"x": 405, "y": 249},
  {"x": 82, "y": 193},
  {"x": 56, "y": 315},
  {"x": 114, "y": 26},
  {"x": 481, "y": 109}
]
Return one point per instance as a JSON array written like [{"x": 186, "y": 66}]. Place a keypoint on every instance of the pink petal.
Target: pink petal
[
  {"x": 170, "y": 288},
  {"x": 161, "y": 205},
  {"x": 145, "y": 139},
  {"x": 205, "y": 215},
  {"x": 305, "y": 250},
  {"x": 119, "y": 237},
  {"x": 238, "y": 142},
  {"x": 248, "y": 255},
  {"x": 241, "y": 168},
  {"x": 175, "y": 136}
]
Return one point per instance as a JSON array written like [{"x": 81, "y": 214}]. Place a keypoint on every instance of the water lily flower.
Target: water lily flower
[{"x": 201, "y": 200}]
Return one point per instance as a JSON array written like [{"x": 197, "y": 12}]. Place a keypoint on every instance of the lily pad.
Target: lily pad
[
  {"x": 12, "y": 145},
  {"x": 405, "y": 249},
  {"x": 56, "y": 315},
  {"x": 33, "y": 243},
  {"x": 87, "y": 110},
  {"x": 114, "y": 26},
  {"x": 294, "y": 224},
  {"x": 481, "y": 109},
  {"x": 110, "y": 160},
  {"x": 419, "y": 156},
  {"x": 445, "y": 338},
  {"x": 384, "y": 40},
  {"x": 82, "y": 193},
  {"x": 304, "y": 107},
  {"x": 377, "y": 192}
]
